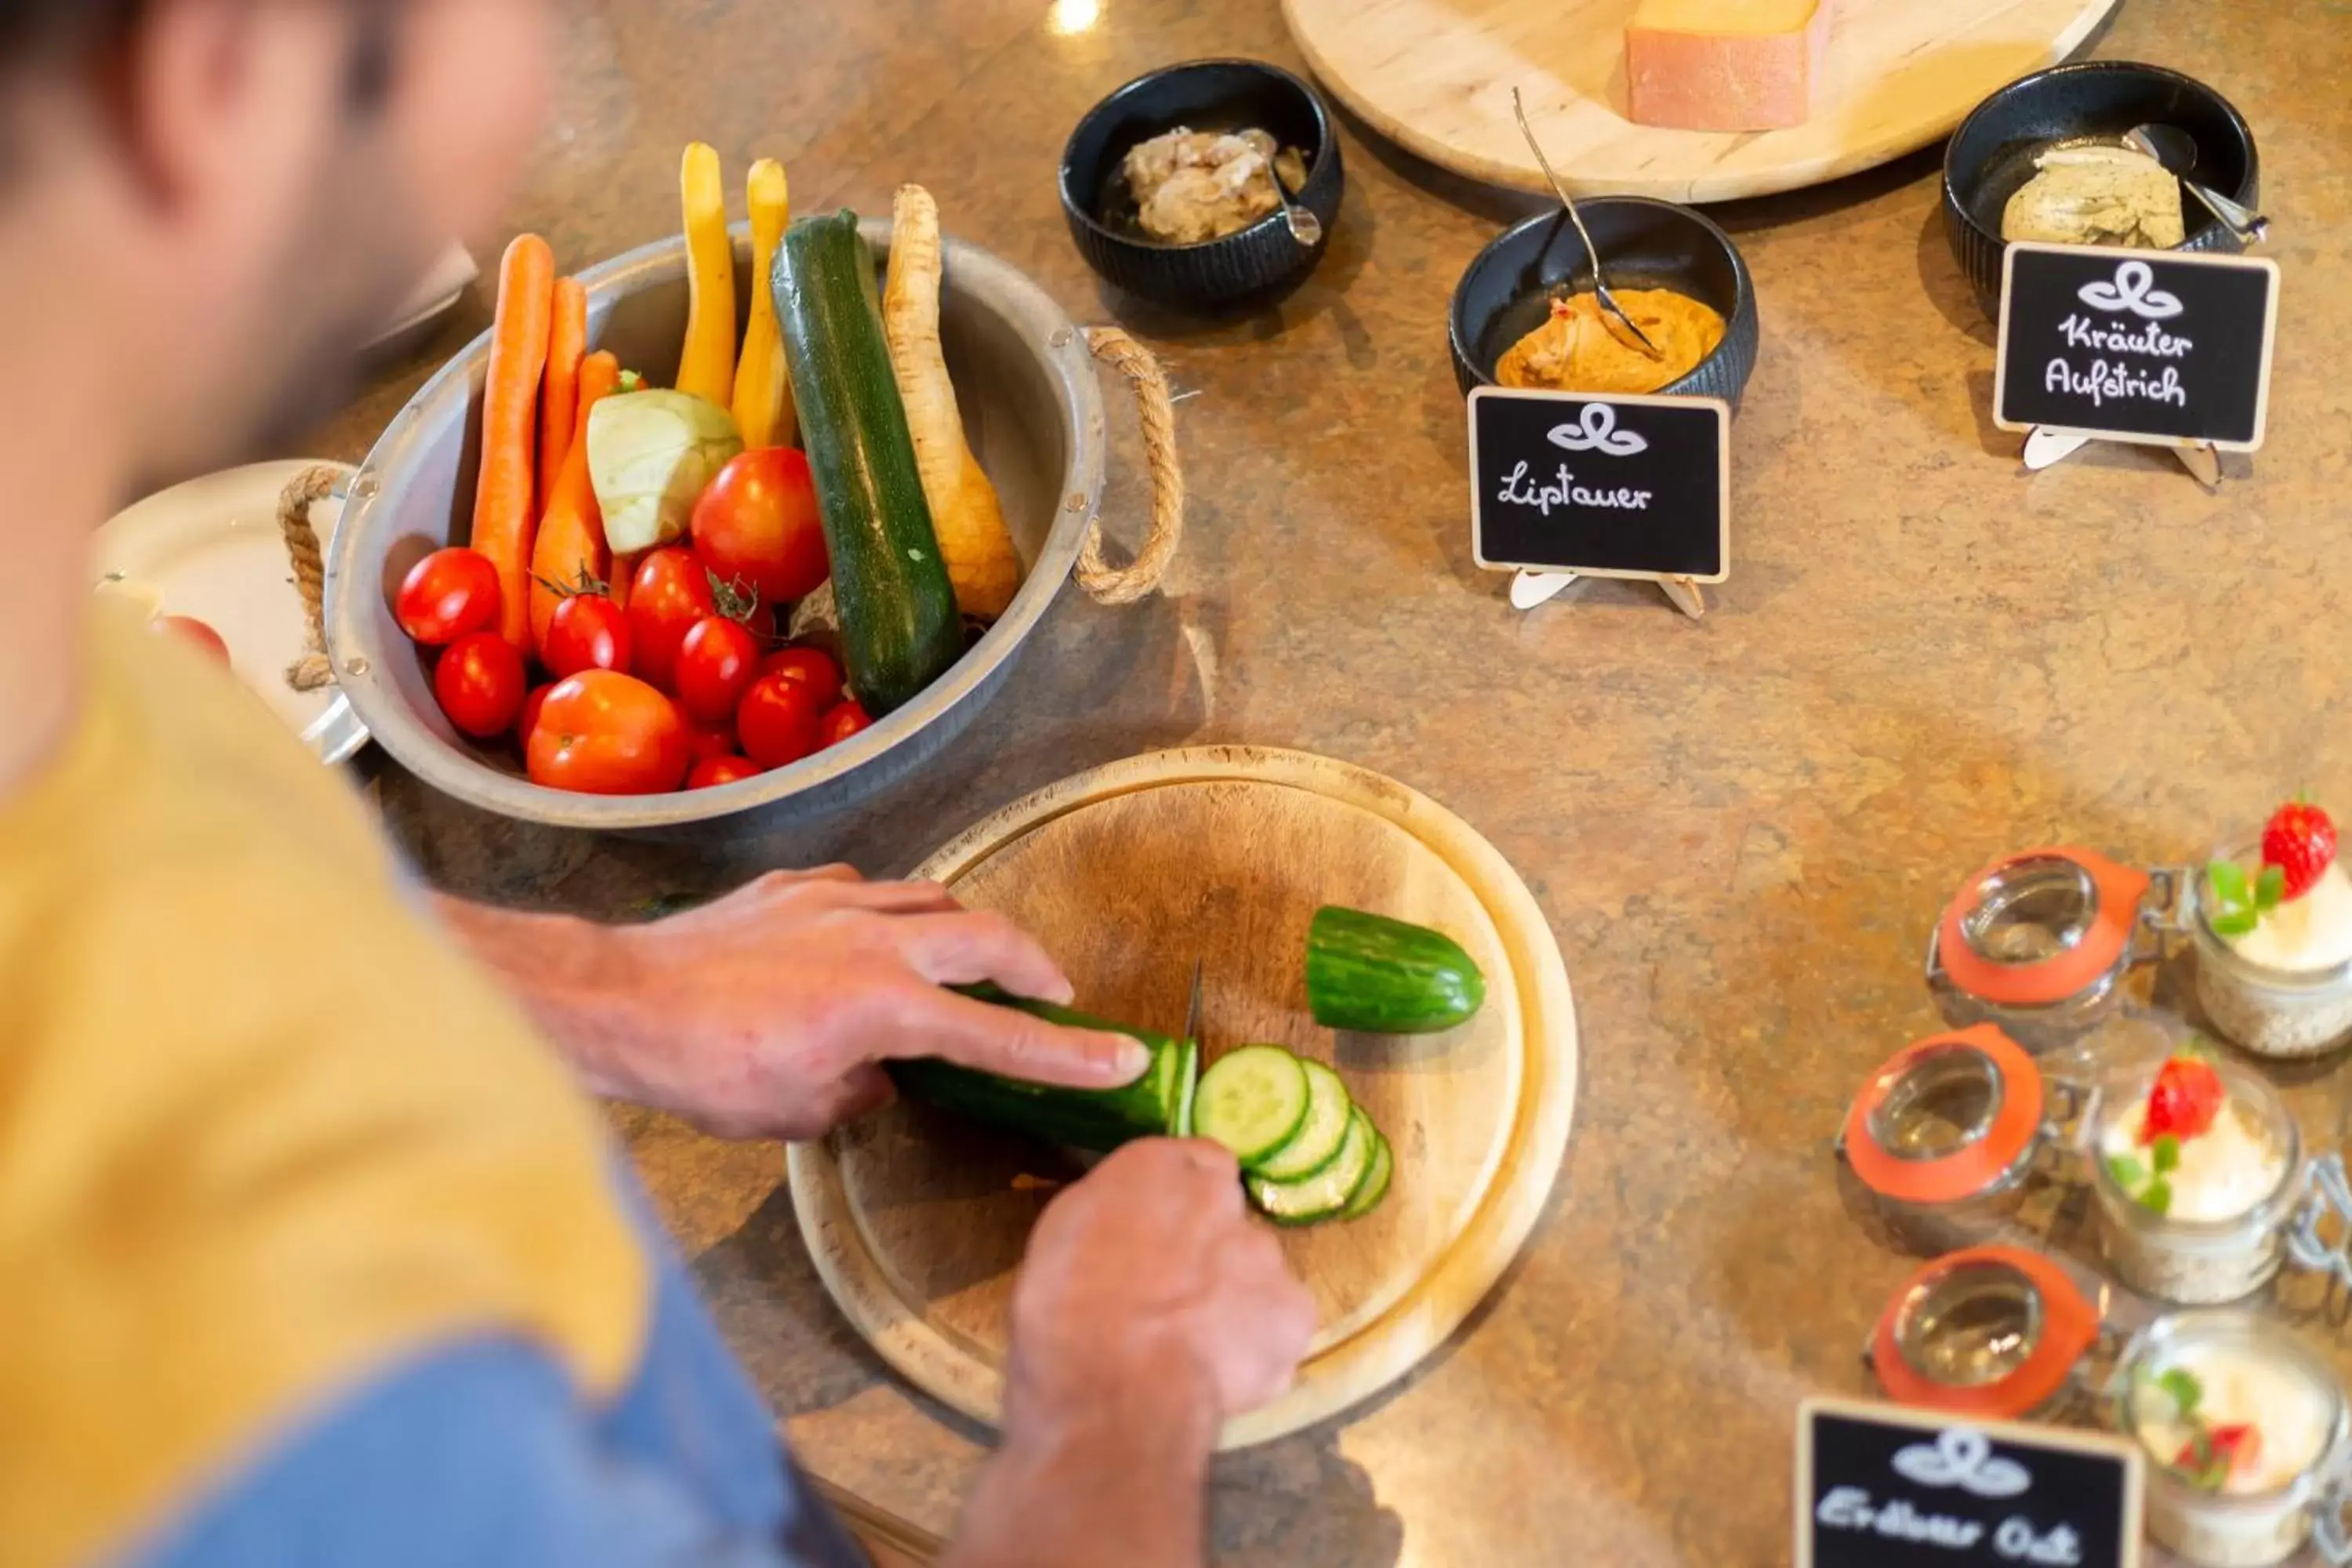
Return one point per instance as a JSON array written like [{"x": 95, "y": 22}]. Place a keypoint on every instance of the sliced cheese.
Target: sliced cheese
[{"x": 1723, "y": 64}]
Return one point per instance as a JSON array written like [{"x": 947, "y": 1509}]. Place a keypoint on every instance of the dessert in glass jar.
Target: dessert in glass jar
[
  {"x": 2198, "y": 1166},
  {"x": 2273, "y": 934},
  {"x": 2244, "y": 1429}
]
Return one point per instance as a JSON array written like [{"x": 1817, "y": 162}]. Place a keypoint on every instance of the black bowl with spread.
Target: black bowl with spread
[
  {"x": 1992, "y": 156},
  {"x": 1645, "y": 244},
  {"x": 1230, "y": 95}
]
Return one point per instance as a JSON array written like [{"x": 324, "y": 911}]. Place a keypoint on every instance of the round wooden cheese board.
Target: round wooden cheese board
[
  {"x": 1129, "y": 874},
  {"x": 1435, "y": 76}
]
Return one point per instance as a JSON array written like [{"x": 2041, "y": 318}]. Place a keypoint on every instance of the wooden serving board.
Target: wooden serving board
[
  {"x": 1436, "y": 77},
  {"x": 1128, "y": 874}
]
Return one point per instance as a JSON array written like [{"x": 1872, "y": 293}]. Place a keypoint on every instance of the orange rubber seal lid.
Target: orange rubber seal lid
[
  {"x": 1975, "y": 1165},
  {"x": 2069, "y": 1327},
  {"x": 2118, "y": 889}
]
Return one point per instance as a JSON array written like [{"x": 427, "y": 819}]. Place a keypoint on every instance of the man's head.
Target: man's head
[{"x": 219, "y": 198}]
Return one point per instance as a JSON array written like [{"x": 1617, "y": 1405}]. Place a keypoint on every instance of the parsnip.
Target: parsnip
[{"x": 973, "y": 542}]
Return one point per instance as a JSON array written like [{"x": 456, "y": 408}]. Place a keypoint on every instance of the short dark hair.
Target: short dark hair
[{"x": 38, "y": 33}]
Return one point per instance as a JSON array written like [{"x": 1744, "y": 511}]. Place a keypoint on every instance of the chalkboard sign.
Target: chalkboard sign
[
  {"x": 1613, "y": 487},
  {"x": 1882, "y": 1487},
  {"x": 2136, "y": 345}
]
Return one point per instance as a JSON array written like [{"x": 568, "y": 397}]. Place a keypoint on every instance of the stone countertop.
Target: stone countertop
[{"x": 1741, "y": 829}]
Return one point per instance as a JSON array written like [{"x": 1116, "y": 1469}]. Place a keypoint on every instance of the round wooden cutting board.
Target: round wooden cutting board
[
  {"x": 1436, "y": 77},
  {"x": 1129, "y": 873}
]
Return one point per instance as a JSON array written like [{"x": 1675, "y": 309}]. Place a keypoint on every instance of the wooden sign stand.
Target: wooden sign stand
[
  {"x": 1530, "y": 588},
  {"x": 2046, "y": 447}
]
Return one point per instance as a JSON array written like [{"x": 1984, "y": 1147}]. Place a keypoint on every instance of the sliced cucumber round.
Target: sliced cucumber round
[
  {"x": 1324, "y": 1195},
  {"x": 1375, "y": 1184},
  {"x": 1251, "y": 1100},
  {"x": 1316, "y": 1143}
]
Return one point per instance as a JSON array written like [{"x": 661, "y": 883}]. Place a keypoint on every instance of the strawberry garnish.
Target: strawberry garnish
[
  {"x": 2300, "y": 841},
  {"x": 2184, "y": 1102},
  {"x": 2216, "y": 1453}
]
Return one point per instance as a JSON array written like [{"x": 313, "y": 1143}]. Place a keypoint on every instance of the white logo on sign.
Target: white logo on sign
[
  {"x": 1962, "y": 1456},
  {"x": 1595, "y": 430},
  {"x": 2133, "y": 290}
]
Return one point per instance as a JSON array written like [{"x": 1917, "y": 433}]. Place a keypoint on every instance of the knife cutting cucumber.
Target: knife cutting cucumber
[
  {"x": 1383, "y": 976},
  {"x": 1157, "y": 1104},
  {"x": 1326, "y": 1193}
]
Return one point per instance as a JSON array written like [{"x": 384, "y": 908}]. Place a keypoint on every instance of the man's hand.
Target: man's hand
[
  {"x": 1148, "y": 1311},
  {"x": 767, "y": 1012}
]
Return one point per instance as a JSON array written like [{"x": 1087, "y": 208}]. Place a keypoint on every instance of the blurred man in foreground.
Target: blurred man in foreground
[{"x": 313, "y": 1252}]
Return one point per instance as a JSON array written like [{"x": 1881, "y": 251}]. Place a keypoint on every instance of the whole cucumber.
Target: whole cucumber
[
  {"x": 1383, "y": 976},
  {"x": 900, "y": 627}
]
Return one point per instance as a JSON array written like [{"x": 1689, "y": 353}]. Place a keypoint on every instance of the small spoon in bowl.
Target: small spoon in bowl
[
  {"x": 1304, "y": 226},
  {"x": 2176, "y": 152},
  {"x": 1599, "y": 284}
]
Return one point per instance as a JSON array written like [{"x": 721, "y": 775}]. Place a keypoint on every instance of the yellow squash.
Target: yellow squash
[
  {"x": 707, "y": 368},
  {"x": 763, "y": 384}
]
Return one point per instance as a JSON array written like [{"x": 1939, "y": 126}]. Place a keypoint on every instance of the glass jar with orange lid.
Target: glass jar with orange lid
[{"x": 2040, "y": 942}]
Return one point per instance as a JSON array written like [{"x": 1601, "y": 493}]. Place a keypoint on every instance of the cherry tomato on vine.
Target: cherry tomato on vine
[
  {"x": 588, "y": 631},
  {"x": 480, "y": 683},
  {"x": 846, "y": 719},
  {"x": 716, "y": 770},
  {"x": 717, "y": 663},
  {"x": 778, "y": 720},
  {"x": 670, "y": 593},
  {"x": 810, "y": 664},
  {"x": 447, "y": 595}
]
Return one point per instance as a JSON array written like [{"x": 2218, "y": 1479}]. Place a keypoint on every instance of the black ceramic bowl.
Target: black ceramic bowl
[
  {"x": 1992, "y": 154},
  {"x": 1202, "y": 95},
  {"x": 1647, "y": 243}
]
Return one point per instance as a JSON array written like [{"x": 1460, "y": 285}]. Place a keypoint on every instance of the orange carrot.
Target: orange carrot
[
  {"x": 572, "y": 535},
  {"x": 625, "y": 572},
  {"x": 559, "y": 400},
  {"x": 505, "y": 499}
]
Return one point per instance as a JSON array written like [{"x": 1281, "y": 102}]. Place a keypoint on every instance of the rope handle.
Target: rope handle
[
  {"x": 1105, "y": 584},
  {"x": 312, "y": 485}
]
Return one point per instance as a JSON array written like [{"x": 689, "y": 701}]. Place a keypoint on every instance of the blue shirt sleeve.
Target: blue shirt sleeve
[{"x": 482, "y": 1456}]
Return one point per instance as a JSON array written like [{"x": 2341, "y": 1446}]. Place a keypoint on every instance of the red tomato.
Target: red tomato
[
  {"x": 530, "y": 707},
  {"x": 844, "y": 721},
  {"x": 588, "y": 631},
  {"x": 715, "y": 664},
  {"x": 757, "y": 521},
  {"x": 447, "y": 595},
  {"x": 704, "y": 741},
  {"x": 778, "y": 720},
  {"x": 602, "y": 732},
  {"x": 190, "y": 629},
  {"x": 480, "y": 682},
  {"x": 671, "y": 592},
  {"x": 717, "y": 771},
  {"x": 809, "y": 664}
]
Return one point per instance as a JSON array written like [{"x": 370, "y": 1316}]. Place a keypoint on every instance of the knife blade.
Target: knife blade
[{"x": 1192, "y": 1008}]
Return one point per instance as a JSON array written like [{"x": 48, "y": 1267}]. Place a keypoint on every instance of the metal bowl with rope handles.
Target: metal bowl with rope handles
[{"x": 1033, "y": 411}]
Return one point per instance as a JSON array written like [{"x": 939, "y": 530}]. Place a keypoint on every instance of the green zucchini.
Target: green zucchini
[
  {"x": 1326, "y": 1194},
  {"x": 899, "y": 625},
  {"x": 1369, "y": 972},
  {"x": 1157, "y": 1104},
  {"x": 1320, "y": 1132},
  {"x": 1251, "y": 1100}
]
